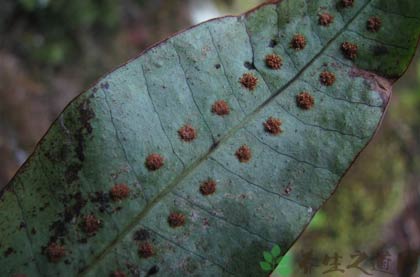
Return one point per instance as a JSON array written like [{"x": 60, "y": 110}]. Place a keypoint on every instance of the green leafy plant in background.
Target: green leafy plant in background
[{"x": 169, "y": 164}]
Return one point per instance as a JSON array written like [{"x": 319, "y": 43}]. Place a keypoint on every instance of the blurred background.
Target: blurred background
[{"x": 51, "y": 50}]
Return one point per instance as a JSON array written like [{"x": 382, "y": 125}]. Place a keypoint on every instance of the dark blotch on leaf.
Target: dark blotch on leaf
[
  {"x": 349, "y": 50},
  {"x": 273, "y": 61},
  {"x": 243, "y": 154},
  {"x": 249, "y": 81},
  {"x": 9, "y": 251},
  {"x": 153, "y": 270},
  {"x": 187, "y": 133},
  {"x": 141, "y": 235},
  {"x": 327, "y": 78},
  {"x": 176, "y": 219},
  {"x": 55, "y": 252},
  {"x": 154, "y": 162},
  {"x": 380, "y": 50},
  {"x": 146, "y": 250},
  {"x": 249, "y": 65},
  {"x": 273, "y": 43},
  {"x": 72, "y": 173},
  {"x": 272, "y": 126},
  {"x": 298, "y": 42},
  {"x": 208, "y": 187},
  {"x": 304, "y": 100},
  {"x": 374, "y": 24},
  {"x": 325, "y": 19}
]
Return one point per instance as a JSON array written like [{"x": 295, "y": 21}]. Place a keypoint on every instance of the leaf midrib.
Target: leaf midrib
[{"x": 215, "y": 146}]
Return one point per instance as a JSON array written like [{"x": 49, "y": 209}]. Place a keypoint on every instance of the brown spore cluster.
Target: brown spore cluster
[
  {"x": 119, "y": 192},
  {"x": 91, "y": 224},
  {"x": 347, "y": 3},
  {"x": 154, "y": 162},
  {"x": 208, "y": 187},
  {"x": 55, "y": 252},
  {"x": 220, "y": 107},
  {"x": 298, "y": 42},
  {"x": 249, "y": 81},
  {"x": 176, "y": 219},
  {"x": 304, "y": 100},
  {"x": 187, "y": 133},
  {"x": 273, "y": 61},
  {"x": 146, "y": 250},
  {"x": 325, "y": 19},
  {"x": 272, "y": 126},
  {"x": 243, "y": 154},
  {"x": 374, "y": 24},
  {"x": 349, "y": 50},
  {"x": 327, "y": 78}
]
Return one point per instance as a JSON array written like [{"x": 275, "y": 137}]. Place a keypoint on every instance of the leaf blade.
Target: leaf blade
[{"x": 166, "y": 76}]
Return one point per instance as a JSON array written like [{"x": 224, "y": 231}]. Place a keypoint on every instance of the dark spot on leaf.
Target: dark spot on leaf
[
  {"x": 243, "y": 154},
  {"x": 380, "y": 50},
  {"x": 141, "y": 235},
  {"x": 327, "y": 78},
  {"x": 272, "y": 126},
  {"x": 102, "y": 199},
  {"x": 217, "y": 66},
  {"x": 176, "y": 219},
  {"x": 187, "y": 133},
  {"x": 91, "y": 224},
  {"x": 33, "y": 231},
  {"x": 55, "y": 252},
  {"x": 119, "y": 192},
  {"x": 325, "y": 19},
  {"x": 59, "y": 227},
  {"x": 298, "y": 42},
  {"x": 153, "y": 270},
  {"x": 146, "y": 250},
  {"x": 304, "y": 100},
  {"x": 349, "y": 50},
  {"x": 220, "y": 107},
  {"x": 374, "y": 24},
  {"x": 249, "y": 81},
  {"x": 249, "y": 66},
  {"x": 154, "y": 162},
  {"x": 85, "y": 115},
  {"x": 72, "y": 173},
  {"x": 22, "y": 225},
  {"x": 83, "y": 240},
  {"x": 273, "y": 43},
  {"x": 105, "y": 85},
  {"x": 9, "y": 251},
  {"x": 273, "y": 61},
  {"x": 208, "y": 187}
]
